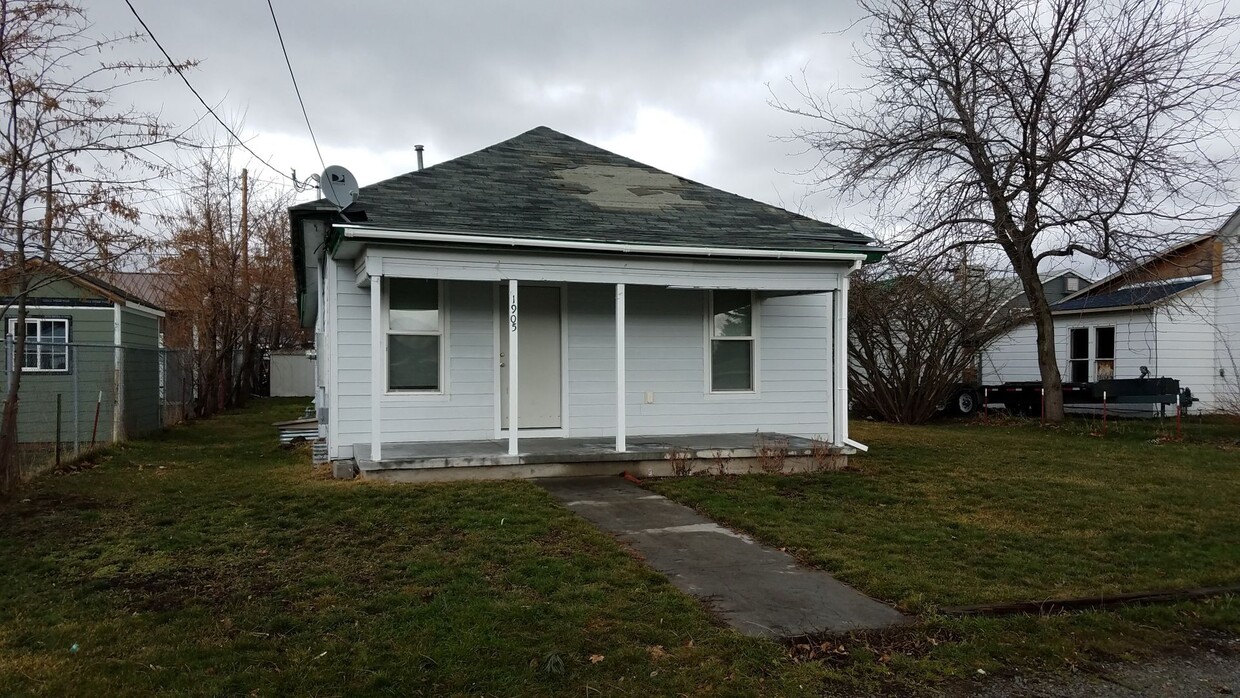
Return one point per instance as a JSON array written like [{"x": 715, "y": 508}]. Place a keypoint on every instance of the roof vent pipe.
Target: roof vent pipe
[{"x": 419, "y": 149}]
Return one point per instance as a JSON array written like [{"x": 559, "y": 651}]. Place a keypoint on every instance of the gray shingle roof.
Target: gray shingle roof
[
  {"x": 1128, "y": 297},
  {"x": 545, "y": 184}
]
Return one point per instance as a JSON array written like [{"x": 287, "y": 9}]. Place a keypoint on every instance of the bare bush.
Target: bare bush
[
  {"x": 772, "y": 454},
  {"x": 914, "y": 335}
]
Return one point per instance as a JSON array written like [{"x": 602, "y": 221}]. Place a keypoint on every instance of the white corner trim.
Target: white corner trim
[{"x": 118, "y": 375}]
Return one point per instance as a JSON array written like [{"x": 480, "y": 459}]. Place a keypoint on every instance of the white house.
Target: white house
[
  {"x": 1177, "y": 315},
  {"x": 613, "y": 311}
]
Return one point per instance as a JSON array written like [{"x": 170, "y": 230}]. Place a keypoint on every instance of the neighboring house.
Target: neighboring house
[
  {"x": 89, "y": 342},
  {"x": 1177, "y": 315},
  {"x": 1056, "y": 286},
  {"x": 641, "y": 306}
]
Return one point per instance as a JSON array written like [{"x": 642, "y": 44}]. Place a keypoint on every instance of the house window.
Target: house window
[
  {"x": 731, "y": 341},
  {"x": 1071, "y": 284},
  {"x": 415, "y": 335},
  {"x": 1104, "y": 353},
  {"x": 1078, "y": 355},
  {"x": 47, "y": 344}
]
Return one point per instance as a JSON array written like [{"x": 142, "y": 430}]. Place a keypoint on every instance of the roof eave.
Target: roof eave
[{"x": 857, "y": 253}]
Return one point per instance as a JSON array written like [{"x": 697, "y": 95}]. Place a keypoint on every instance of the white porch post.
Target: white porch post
[
  {"x": 840, "y": 310},
  {"x": 511, "y": 321},
  {"x": 621, "y": 447},
  {"x": 377, "y": 372}
]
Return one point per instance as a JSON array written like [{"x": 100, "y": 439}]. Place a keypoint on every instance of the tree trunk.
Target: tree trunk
[
  {"x": 10, "y": 465},
  {"x": 1048, "y": 361}
]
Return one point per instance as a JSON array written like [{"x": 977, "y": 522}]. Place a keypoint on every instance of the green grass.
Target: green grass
[
  {"x": 966, "y": 513},
  {"x": 208, "y": 561}
]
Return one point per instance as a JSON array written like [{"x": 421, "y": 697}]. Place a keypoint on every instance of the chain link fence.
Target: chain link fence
[{"x": 75, "y": 397}]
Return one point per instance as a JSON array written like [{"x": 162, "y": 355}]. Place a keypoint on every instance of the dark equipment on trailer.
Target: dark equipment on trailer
[{"x": 1025, "y": 397}]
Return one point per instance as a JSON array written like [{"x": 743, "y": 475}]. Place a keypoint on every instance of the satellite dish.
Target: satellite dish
[{"x": 339, "y": 186}]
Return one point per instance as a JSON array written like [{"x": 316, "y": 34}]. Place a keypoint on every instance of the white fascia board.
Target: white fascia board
[
  {"x": 144, "y": 309},
  {"x": 356, "y": 232}
]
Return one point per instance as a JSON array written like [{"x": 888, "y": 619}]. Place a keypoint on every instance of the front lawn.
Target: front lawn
[
  {"x": 966, "y": 513},
  {"x": 208, "y": 561}
]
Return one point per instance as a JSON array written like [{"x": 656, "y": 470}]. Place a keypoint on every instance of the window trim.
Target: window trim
[
  {"x": 1093, "y": 350},
  {"x": 1091, "y": 357},
  {"x": 1087, "y": 359},
  {"x": 754, "y": 338},
  {"x": 441, "y": 332},
  {"x": 11, "y": 329}
]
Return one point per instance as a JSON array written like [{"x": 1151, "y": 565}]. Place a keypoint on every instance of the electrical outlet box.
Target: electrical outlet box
[{"x": 649, "y": 397}]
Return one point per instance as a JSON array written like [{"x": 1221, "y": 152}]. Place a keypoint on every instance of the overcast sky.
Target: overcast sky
[{"x": 678, "y": 85}]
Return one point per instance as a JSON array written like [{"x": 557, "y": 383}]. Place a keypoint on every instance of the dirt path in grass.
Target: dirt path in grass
[{"x": 1204, "y": 672}]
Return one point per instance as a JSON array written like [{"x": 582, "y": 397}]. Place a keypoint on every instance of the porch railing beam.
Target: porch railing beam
[
  {"x": 621, "y": 446},
  {"x": 512, "y": 322}
]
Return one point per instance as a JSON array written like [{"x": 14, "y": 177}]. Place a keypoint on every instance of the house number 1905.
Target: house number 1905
[{"x": 512, "y": 315}]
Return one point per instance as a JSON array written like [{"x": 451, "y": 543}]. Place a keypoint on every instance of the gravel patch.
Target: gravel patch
[{"x": 1196, "y": 674}]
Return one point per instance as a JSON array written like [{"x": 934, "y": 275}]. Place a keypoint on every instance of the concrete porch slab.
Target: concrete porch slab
[
  {"x": 647, "y": 456},
  {"x": 756, "y": 589}
]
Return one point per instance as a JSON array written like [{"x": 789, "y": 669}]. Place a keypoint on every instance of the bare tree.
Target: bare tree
[
  {"x": 1035, "y": 130},
  {"x": 914, "y": 334},
  {"x": 71, "y": 163},
  {"x": 227, "y": 246}
]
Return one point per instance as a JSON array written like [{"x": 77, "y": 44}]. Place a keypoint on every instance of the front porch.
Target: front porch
[{"x": 645, "y": 456}]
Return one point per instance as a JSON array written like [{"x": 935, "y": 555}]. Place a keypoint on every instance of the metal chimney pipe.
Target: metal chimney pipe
[{"x": 419, "y": 150}]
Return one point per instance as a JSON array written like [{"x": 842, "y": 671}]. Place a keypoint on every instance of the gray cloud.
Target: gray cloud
[{"x": 679, "y": 84}]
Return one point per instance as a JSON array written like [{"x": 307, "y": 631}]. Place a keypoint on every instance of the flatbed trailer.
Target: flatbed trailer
[{"x": 1025, "y": 397}]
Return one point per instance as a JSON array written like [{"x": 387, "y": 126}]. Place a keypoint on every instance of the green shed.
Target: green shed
[{"x": 94, "y": 367}]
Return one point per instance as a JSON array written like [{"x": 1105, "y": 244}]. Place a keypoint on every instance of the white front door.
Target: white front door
[{"x": 538, "y": 375}]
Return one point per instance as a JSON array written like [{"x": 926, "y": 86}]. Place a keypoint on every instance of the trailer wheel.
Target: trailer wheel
[{"x": 965, "y": 403}]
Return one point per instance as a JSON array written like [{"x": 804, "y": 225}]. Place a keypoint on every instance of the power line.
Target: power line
[
  {"x": 296, "y": 89},
  {"x": 211, "y": 111}
]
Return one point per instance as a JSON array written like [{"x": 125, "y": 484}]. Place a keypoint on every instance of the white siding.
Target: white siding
[
  {"x": 464, "y": 411},
  {"x": 1227, "y": 324},
  {"x": 666, "y": 355},
  {"x": 1186, "y": 344},
  {"x": 1014, "y": 357},
  {"x": 666, "y": 351}
]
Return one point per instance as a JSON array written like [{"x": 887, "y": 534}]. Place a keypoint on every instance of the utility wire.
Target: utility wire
[
  {"x": 177, "y": 68},
  {"x": 296, "y": 89}
]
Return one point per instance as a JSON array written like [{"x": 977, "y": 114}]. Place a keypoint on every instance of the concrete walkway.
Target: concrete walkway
[{"x": 757, "y": 590}]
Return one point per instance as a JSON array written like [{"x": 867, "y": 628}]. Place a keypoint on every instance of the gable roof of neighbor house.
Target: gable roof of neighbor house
[
  {"x": 153, "y": 288},
  {"x": 91, "y": 283},
  {"x": 546, "y": 185},
  {"x": 1177, "y": 269}
]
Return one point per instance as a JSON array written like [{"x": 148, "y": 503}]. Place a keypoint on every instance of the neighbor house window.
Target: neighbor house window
[
  {"x": 415, "y": 334},
  {"x": 47, "y": 344},
  {"x": 1071, "y": 284},
  {"x": 1078, "y": 355},
  {"x": 731, "y": 341},
  {"x": 1104, "y": 353},
  {"x": 1082, "y": 354}
]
